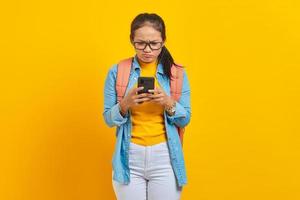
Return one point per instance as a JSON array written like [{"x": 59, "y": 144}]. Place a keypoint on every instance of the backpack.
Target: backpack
[{"x": 123, "y": 72}]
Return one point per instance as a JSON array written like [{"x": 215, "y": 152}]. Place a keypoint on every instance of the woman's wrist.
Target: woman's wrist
[
  {"x": 170, "y": 107},
  {"x": 123, "y": 108}
]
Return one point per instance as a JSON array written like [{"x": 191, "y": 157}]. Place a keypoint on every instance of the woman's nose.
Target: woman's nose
[{"x": 147, "y": 48}]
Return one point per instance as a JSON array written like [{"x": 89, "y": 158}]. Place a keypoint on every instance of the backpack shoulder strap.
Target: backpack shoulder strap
[
  {"x": 176, "y": 81},
  {"x": 123, "y": 72}
]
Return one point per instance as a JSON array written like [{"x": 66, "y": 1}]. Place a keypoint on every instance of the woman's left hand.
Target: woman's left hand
[{"x": 160, "y": 97}]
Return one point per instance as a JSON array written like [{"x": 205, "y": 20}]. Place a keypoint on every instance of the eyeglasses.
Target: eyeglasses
[{"x": 141, "y": 45}]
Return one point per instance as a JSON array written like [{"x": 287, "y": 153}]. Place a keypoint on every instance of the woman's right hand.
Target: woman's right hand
[{"x": 132, "y": 99}]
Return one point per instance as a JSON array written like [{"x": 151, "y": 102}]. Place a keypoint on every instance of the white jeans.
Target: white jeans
[{"x": 151, "y": 175}]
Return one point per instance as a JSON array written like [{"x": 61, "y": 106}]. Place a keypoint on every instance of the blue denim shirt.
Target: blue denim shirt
[{"x": 123, "y": 125}]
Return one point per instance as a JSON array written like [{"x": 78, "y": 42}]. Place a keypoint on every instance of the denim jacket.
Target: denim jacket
[{"x": 123, "y": 125}]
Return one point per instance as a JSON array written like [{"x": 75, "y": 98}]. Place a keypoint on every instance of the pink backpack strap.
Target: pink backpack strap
[
  {"x": 123, "y": 72},
  {"x": 176, "y": 83}
]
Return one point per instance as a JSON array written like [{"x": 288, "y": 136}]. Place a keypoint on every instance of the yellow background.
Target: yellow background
[{"x": 242, "y": 59}]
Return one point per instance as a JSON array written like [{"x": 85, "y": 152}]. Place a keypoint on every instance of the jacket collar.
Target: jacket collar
[{"x": 136, "y": 65}]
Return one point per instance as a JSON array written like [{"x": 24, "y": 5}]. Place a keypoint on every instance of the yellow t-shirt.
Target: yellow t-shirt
[{"x": 148, "y": 127}]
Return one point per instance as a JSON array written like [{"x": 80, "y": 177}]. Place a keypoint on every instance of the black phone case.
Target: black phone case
[{"x": 147, "y": 82}]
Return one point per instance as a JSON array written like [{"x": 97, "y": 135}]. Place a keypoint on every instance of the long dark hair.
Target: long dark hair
[{"x": 158, "y": 24}]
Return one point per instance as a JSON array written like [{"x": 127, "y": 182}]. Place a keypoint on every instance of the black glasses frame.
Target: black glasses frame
[{"x": 148, "y": 44}]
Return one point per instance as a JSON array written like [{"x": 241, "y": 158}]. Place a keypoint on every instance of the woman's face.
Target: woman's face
[{"x": 144, "y": 35}]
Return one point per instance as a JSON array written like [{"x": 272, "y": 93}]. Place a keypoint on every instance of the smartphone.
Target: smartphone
[{"x": 147, "y": 83}]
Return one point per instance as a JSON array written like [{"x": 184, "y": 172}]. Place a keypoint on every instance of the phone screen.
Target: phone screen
[{"x": 147, "y": 83}]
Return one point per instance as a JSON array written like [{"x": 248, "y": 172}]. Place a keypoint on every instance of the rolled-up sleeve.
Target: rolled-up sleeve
[{"x": 112, "y": 115}]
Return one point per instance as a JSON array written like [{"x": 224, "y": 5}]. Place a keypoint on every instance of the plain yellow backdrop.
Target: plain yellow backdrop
[{"x": 242, "y": 59}]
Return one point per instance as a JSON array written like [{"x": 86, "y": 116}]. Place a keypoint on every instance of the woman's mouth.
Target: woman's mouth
[{"x": 147, "y": 56}]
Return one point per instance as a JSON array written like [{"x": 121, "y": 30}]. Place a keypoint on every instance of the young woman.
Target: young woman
[{"x": 148, "y": 160}]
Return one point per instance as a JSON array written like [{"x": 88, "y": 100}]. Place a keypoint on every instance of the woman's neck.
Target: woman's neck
[{"x": 145, "y": 64}]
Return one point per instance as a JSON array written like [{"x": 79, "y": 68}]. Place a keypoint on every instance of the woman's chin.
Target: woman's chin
[{"x": 147, "y": 60}]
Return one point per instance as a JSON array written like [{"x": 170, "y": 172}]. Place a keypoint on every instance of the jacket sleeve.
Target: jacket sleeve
[
  {"x": 182, "y": 114},
  {"x": 111, "y": 113}
]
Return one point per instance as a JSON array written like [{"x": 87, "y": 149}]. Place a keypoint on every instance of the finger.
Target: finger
[
  {"x": 160, "y": 90},
  {"x": 139, "y": 96},
  {"x": 135, "y": 90},
  {"x": 154, "y": 96},
  {"x": 142, "y": 95},
  {"x": 158, "y": 99},
  {"x": 141, "y": 100},
  {"x": 138, "y": 88},
  {"x": 153, "y": 91}
]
